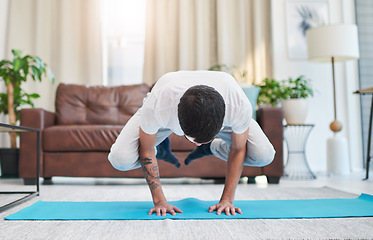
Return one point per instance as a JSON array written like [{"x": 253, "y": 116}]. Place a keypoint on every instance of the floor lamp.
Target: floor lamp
[{"x": 334, "y": 43}]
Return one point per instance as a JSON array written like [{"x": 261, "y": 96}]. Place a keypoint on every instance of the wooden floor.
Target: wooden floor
[{"x": 91, "y": 189}]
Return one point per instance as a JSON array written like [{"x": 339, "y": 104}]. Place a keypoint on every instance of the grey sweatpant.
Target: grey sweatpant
[{"x": 124, "y": 153}]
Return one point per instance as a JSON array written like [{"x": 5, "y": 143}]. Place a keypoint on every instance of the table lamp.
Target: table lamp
[{"x": 334, "y": 43}]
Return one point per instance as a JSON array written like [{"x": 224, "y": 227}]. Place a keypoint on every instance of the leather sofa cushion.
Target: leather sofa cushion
[
  {"x": 76, "y": 138},
  {"x": 73, "y": 138},
  {"x": 79, "y": 104}
]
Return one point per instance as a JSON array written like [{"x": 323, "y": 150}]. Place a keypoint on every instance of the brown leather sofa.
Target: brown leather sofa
[{"x": 76, "y": 139}]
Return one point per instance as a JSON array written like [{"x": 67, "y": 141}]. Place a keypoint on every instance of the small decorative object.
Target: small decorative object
[
  {"x": 14, "y": 73},
  {"x": 295, "y": 93},
  {"x": 270, "y": 93}
]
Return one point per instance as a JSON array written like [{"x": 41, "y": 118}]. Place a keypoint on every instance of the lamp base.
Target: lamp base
[
  {"x": 335, "y": 126},
  {"x": 337, "y": 156}
]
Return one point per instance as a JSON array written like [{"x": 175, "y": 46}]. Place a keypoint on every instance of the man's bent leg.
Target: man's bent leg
[
  {"x": 124, "y": 152},
  {"x": 260, "y": 151}
]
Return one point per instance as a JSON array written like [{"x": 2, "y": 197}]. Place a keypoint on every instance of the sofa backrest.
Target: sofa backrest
[{"x": 80, "y": 104}]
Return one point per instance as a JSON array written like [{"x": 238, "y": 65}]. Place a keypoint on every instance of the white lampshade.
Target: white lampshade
[{"x": 338, "y": 41}]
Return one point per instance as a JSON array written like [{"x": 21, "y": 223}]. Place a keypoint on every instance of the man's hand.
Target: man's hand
[
  {"x": 163, "y": 207},
  {"x": 235, "y": 165},
  {"x": 225, "y": 206}
]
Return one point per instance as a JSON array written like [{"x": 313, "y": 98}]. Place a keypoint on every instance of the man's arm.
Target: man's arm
[
  {"x": 149, "y": 166},
  {"x": 235, "y": 165}
]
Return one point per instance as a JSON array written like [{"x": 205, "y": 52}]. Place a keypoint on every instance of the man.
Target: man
[{"x": 199, "y": 105}]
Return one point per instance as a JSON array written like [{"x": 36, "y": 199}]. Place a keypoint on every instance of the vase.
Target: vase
[{"x": 295, "y": 110}]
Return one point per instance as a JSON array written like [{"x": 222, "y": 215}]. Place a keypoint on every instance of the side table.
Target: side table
[
  {"x": 29, "y": 194},
  {"x": 296, "y": 167}
]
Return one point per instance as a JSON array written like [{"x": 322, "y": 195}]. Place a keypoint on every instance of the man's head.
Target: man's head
[{"x": 201, "y": 113}]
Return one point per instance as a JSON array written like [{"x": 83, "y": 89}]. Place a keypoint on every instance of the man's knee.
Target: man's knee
[
  {"x": 265, "y": 158},
  {"x": 120, "y": 162},
  {"x": 268, "y": 156}
]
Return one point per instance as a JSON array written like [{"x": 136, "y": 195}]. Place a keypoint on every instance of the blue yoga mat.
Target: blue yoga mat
[{"x": 197, "y": 209}]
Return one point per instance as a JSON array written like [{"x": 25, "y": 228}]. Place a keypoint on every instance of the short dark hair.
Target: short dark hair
[{"x": 201, "y": 113}]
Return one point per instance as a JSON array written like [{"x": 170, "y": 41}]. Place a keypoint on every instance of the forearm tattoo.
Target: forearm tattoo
[{"x": 151, "y": 172}]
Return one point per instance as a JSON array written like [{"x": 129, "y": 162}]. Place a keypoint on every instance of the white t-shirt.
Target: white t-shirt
[{"x": 160, "y": 107}]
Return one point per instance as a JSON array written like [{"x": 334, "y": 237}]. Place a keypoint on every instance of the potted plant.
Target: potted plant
[
  {"x": 14, "y": 72},
  {"x": 295, "y": 94},
  {"x": 270, "y": 93}
]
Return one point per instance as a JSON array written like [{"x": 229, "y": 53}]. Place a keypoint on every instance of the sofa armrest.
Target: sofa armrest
[
  {"x": 34, "y": 118},
  {"x": 37, "y": 118},
  {"x": 270, "y": 120}
]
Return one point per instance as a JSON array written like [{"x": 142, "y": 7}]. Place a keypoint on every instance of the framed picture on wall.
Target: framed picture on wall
[{"x": 301, "y": 15}]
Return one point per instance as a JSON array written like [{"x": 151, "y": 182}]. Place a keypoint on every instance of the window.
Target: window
[{"x": 124, "y": 38}]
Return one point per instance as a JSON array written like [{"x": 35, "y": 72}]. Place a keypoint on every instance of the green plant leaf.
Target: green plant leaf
[
  {"x": 35, "y": 70},
  {"x": 3, "y": 72},
  {"x": 16, "y": 64},
  {"x": 7, "y": 79},
  {"x": 25, "y": 65},
  {"x": 296, "y": 88},
  {"x": 16, "y": 53},
  {"x": 269, "y": 92},
  {"x": 34, "y": 95},
  {"x": 51, "y": 75},
  {"x": 39, "y": 63}
]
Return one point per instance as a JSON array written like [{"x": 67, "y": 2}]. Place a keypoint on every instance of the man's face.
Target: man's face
[{"x": 191, "y": 139}]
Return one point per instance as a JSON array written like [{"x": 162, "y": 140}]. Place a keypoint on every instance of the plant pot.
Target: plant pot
[
  {"x": 9, "y": 162},
  {"x": 295, "y": 110}
]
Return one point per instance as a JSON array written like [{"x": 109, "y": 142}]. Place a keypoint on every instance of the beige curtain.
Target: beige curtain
[
  {"x": 66, "y": 34},
  {"x": 4, "y": 138},
  {"x": 197, "y": 34},
  {"x": 3, "y": 26}
]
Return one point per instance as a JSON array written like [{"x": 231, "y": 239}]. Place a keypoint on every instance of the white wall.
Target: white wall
[
  {"x": 4, "y": 139},
  {"x": 3, "y": 26},
  {"x": 321, "y": 105}
]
